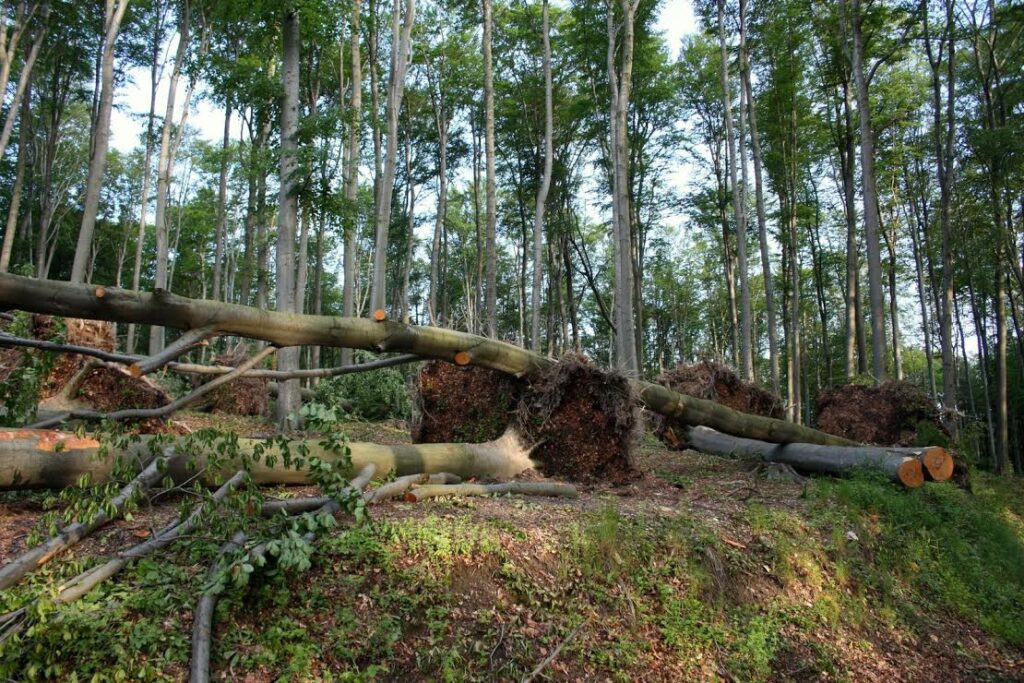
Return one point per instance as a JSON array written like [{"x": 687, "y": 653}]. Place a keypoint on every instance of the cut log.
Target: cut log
[
  {"x": 902, "y": 465},
  {"x": 522, "y": 488},
  {"x": 292, "y": 329},
  {"x": 49, "y": 459}
]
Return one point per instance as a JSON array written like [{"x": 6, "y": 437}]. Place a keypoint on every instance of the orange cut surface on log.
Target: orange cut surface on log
[
  {"x": 48, "y": 440},
  {"x": 911, "y": 473},
  {"x": 938, "y": 462}
]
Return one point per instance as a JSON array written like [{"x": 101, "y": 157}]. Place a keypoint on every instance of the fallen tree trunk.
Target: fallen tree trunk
[
  {"x": 292, "y": 329},
  {"x": 49, "y": 459},
  {"x": 902, "y": 465}
]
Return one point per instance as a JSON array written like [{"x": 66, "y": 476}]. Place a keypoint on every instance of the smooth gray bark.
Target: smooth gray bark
[
  {"x": 113, "y": 14},
  {"x": 545, "y": 186},
  {"x": 401, "y": 56},
  {"x": 288, "y": 398}
]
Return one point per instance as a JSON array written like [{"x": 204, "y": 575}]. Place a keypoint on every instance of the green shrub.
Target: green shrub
[
  {"x": 19, "y": 392},
  {"x": 374, "y": 395}
]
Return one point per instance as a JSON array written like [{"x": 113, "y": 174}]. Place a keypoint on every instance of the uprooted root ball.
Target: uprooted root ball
[
  {"x": 584, "y": 421},
  {"x": 242, "y": 396},
  {"x": 455, "y": 404},
  {"x": 714, "y": 382},
  {"x": 892, "y": 414}
]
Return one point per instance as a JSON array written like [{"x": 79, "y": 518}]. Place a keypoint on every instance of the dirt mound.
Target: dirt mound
[
  {"x": 95, "y": 334},
  {"x": 714, "y": 382},
  {"x": 455, "y": 404},
  {"x": 243, "y": 396},
  {"x": 890, "y": 414},
  {"x": 584, "y": 420}
]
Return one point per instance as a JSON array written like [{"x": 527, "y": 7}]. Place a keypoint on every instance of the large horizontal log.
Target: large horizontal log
[
  {"x": 39, "y": 458},
  {"x": 902, "y": 465},
  {"x": 294, "y": 329}
]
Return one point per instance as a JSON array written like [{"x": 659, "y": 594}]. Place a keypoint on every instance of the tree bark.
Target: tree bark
[
  {"x": 620, "y": 79},
  {"x": 901, "y": 465},
  {"x": 222, "y": 209},
  {"x": 491, "y": 217},
  {"x": 24, "y": 151},
  {"x": 31, "y": 460},
  {"x": 401, "y": 56},
  {"x": 545, "y": 186},
  {"x": 870, "y": 194},
  {"x": 113, "y": 14},
  {"x": 746, "y": 367},
  {"x": 164, "y": 168},
  {"x": 288, "y": 399},
  {"x": 351, "y": 262}
]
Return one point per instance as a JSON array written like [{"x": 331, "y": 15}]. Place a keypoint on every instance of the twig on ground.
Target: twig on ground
[{"x": 16, "y": 569}]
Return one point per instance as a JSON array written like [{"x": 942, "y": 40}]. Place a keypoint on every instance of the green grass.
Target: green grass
[{"x": 445, "y": 596}]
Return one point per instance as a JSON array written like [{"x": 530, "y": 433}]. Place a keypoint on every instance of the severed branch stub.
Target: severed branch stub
[{"x": 463, "y": 358}]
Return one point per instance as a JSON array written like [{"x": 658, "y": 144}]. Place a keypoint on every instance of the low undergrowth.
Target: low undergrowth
[{"x": 850, "y": 575}]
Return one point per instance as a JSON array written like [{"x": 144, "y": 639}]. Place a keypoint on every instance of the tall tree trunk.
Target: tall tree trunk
[
  {"x": 113, "y": 14},
  {"x": 621, "y": 80},
  {"x": 24, "y": 151},
  {"x": 545, "y": 185},
  {"x": 869, "y": 191},
  {"x": 762, "y": 224},
  {"x": 926, "y": 326},
  {"x": 222, "y": 209},
  {"x": 155, "y": 70},
  {"x": 401, "y": 33},
  {"x": 491, "y": 217},
  {"x": 168, "y": 148},
  {"x": 1002, "y": 417},
  {"x": 441, "y": 121},
  {"x": 746, "y": 366},
  {"x": 351, "y": 261},
  {"x": 942, "y": 134},
  {"x": 288, "y": 399}
]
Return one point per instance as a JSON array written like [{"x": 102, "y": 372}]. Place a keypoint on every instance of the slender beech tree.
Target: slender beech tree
[
  {"x": 351, "y": 209},
  {"x": 401, "y": 55},
  {"x": 112, "y": 15},
  {"x": 165, "y": 164},
  {"x": 490, "y": 191},
  {"x": 545, "y": 185},
  {"x": 620, "y": 79},
  {"x": 738, "y": 209},
  {"x": 852, "y": 17},
  {"x": 287, "y": 215}
]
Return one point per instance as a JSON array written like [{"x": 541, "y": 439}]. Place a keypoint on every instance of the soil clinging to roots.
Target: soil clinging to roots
[
  {"x": 584, "y": 420},
  {"x": 242, "y": 396},
  {"x": 455, "y": 404},
  {"x": 894, "y": 413},
  {"x": 581, "y": 420},
  {"x": 714, "y": 382}
]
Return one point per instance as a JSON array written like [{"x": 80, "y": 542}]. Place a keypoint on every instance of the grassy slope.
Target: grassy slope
[{"x": 703, "y": 570}]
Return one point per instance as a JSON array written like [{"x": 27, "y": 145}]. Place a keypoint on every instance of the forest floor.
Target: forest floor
[{"x": 704, "y": 569}]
